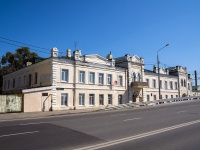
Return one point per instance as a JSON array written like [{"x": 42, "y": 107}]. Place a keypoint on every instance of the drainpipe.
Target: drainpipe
[{"x": 74, "y": 90}]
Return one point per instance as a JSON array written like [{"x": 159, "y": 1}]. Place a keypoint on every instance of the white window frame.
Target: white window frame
[
  {"x": 81, "y": 76},
  {"x": 120, "y": 80},
  {"x": 161, "y": 84},
  {"x": 101, "y": 78},
  {"x": 154, "y": 83},
  {"x": 120, "y": 99},
  {"x": 138, "y": 77},
  {"x": 110, "y": 99},
  {"x": 65, "y": 76},
  {"x": 92, "y": 77},
  {"x": 171, "y": 85},
  {"x": 64, "y": 102},
  {"x": 176, "y": 85},
  {"x": 102, "y": 99},
  {"x": 133, "y": 77},
  {"x": 166, "y": 86},
  {"x": 81, "y": 99},
  {"x": 109, "y": 79},
  {"x": 147, "y": 80},
  {"x": 91, "y": 99},
  {"x": 148, "y": 97}
]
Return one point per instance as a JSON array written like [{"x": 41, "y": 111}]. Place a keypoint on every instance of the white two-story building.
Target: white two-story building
[{"x": 86, "y": 81}]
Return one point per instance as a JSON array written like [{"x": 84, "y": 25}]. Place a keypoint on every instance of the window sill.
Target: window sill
[
  {"x": 63, "y": 106},
  {"x": 64, "y": 81}
]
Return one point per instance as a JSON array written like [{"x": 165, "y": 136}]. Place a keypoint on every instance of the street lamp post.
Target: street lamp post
[{"x": 158, "y": 62}]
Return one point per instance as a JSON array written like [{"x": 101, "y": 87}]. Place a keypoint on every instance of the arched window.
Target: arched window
[
  {"x": 184, "y": 83},
  {"x": 138, "y": 77},
  {"x": 133, "y": 77}
]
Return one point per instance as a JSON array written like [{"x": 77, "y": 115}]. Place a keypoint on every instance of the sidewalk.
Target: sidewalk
[{"x": 31, "y": 115}]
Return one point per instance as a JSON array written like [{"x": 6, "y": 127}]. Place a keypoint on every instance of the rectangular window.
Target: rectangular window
[
  {"x": 8, "y": 84},
  {"x": 171, "y": 96},
  {"x": 81, "y": 99},
  {"x": 148, "y": 98},
  {"x": 161, "y": 84},
  {"x": 109, "y": 79},
  {"x": 101, "y": 99},
  {"x": 166, "y": 96},
  {"x": 160, "y": 96},
  {"x": 176, "y": 85},
  {"x": 154, "y": 97},
  {"x": 101, "y": 76},
  {"x": 4, "y": 85},
  {"x": 109, "y": 98},
  {"x": 13, "y": 83},
  {"x": 147, "y": 80},
  {"x": 35, "y": 82},
  {"x": 64, "y": 75},
  {"x": 120, "y": 80},
  {"x": 91, "y": 99},
  {"x": 176, "y": 96},
  {"x": 82, "y": 76},
  {"x": 188, "y": 86},
  {"x": 64, "y": 99},
  {"x": 24, "y": 80},
  {"x": 29, "y": 80},
  {"x": 19, "y": 81},
  {"x": 171, "y": 85},
  {"x": 154, "y": 83},
  {"x": 166, "y": 85},
  {"x": 120, "y": 99},
  {"x": 91, "y": 77}
]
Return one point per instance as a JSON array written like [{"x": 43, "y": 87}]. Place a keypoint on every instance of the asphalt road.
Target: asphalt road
[{"x": 173, "y": 126}]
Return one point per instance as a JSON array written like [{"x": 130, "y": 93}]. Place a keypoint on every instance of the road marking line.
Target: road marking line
[
  {"x": 131, "y": 119},
  {"x": 182, "y": 111},
  {"x": 32, "y": 123},
  {"x": 131, "y": 138},
  {"x": 18, "y": 134},
  {"x": 117, "y": 114}
]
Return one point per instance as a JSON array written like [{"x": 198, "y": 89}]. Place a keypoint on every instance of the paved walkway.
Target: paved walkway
[{"x": 10, "y": 116}]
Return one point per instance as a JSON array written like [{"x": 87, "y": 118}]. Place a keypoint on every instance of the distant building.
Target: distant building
[
  {"x": 86, "y": 81},
  {"x": 196, "y": 90}
]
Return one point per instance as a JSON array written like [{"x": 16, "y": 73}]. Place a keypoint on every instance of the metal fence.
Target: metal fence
[
  {"x": 11, "y": 103},
  {"x": 155, "y": 102}
]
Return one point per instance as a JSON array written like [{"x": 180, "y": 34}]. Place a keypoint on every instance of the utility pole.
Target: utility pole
[
  {"x": 195, "y": 77},
  {"x": 158, "y": 62}
]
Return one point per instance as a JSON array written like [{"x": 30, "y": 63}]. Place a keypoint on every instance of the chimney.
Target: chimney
[
  {"x": 28, "y": 63},
  {"x": 54, "y": 52},
  {"x": 68, "y": 53}
]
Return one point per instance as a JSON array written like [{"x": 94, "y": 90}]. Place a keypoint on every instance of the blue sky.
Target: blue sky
[{"x": 136, "y": 27}]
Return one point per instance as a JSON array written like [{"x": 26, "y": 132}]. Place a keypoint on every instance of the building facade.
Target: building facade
[{"x": 86, "y": 81}]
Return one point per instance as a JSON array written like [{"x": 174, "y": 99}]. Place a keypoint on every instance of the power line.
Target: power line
[
  {"x": 22, "y": 46},
  {"x": 24, "y": 43}
]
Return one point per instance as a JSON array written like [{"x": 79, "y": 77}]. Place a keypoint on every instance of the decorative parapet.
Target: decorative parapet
[{"x": 129, "y": 58}]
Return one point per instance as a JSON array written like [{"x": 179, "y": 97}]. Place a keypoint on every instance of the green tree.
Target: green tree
[
  {"x": 11, "y": 62},
  {"x": 18, "y": 59}
]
